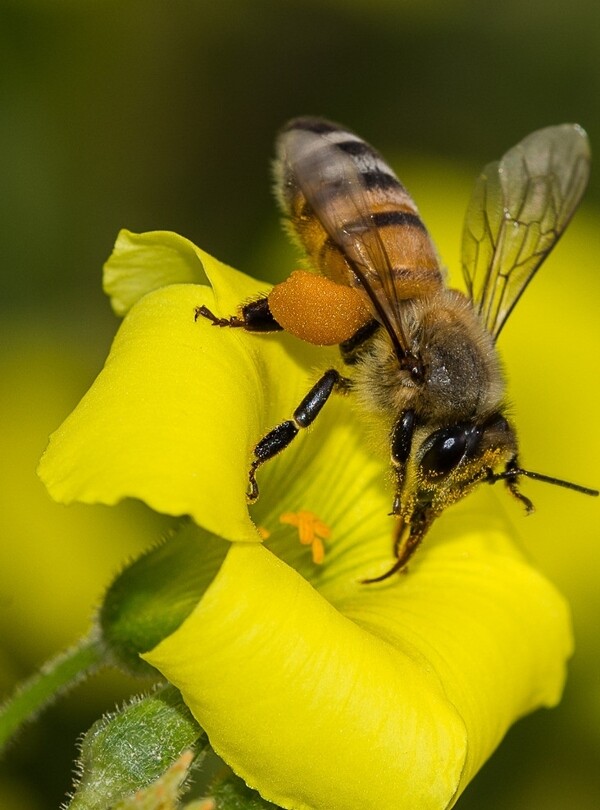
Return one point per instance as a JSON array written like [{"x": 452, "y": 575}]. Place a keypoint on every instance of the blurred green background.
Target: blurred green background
[{"x": 151, "y": 115}]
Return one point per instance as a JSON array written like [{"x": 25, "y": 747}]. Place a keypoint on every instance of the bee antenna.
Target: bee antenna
[{"x": 514, "y": 472}]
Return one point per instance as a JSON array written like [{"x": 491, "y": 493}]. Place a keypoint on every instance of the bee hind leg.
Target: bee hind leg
[
  {"x": 351, "y": 349},
  {"x": 254, "y": 317},
  {"x": 283, "y": 434}
]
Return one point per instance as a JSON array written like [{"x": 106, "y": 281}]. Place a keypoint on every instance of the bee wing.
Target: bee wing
[
  {"x": 323, "y": 172},
  {"x": 519, "y": 208},
  {"x": 361, "y": 244}
]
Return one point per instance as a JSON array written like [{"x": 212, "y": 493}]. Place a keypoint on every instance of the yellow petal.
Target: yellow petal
[
  {"x": 143, "y": 262},
  {"x": 303, "y": 704},
  {"x": 174, "y": 415},
  {"x": 386, "y": 696},
  {"x": 496, "y": 632},
  {"x": 146, "y": 427}
]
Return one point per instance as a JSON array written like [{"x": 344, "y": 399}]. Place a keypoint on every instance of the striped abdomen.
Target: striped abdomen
[{"x": 349, "y": 210}]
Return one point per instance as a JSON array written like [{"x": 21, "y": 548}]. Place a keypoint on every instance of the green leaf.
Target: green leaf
[
  {"x": 132, "y": 748},
  {"x": 164, "y": 793}
]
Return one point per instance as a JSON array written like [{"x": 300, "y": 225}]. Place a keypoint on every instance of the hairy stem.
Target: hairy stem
[{"x": 55, "y": 678}]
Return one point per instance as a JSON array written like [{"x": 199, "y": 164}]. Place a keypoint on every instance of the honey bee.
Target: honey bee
[{"x": 419, "y": 355}]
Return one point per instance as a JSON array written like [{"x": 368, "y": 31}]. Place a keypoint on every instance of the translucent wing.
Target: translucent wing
[
  {"x": 360, "y": 242},
  {"x": 519, "y": 208},
  {"x": 333, "y": 183}
]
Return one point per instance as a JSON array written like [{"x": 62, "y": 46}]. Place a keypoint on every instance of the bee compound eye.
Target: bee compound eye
[{"x": 447, "y": 447}]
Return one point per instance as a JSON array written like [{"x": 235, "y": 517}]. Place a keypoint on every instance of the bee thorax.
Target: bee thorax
[{"x": 462, "y": 376}]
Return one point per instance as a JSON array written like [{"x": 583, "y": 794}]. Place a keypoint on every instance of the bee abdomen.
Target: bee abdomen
[
  {"x": 341, "y": 196},
  {"x": 311, "y": 149}
]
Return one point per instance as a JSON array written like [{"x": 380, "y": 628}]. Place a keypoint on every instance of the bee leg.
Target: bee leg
[
  {"x": 281, "y": 436},
  {"x": 350, "y": 349},
  {"x": 255, "y": 317},
  {"x": 510, "y": 478},
  {"x": 513, "y": 488},
  {"x": 400, "y": 444}
]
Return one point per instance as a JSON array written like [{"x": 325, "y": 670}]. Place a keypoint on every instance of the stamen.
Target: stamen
[
  {"x": 318, "y": 551},
  {"x": 311, "y": 532},
  {"x": 263, "y": 532}
]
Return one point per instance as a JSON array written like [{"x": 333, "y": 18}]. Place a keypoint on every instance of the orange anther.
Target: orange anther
[{"x": 311, "y": 531}]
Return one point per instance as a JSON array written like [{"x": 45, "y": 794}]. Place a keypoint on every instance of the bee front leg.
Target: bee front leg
[
  {"x": 254, "y": 317},
  {"x": 282, "y": 435},
  {"x": 510, "y": 478}
]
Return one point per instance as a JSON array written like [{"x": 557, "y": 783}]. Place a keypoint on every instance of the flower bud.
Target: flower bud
[
  {"x": 128, "y": 750},
  {"x": 150, "y": 598}
]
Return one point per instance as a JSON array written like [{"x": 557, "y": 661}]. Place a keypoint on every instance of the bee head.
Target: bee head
[{"x": 434, "y": 469}]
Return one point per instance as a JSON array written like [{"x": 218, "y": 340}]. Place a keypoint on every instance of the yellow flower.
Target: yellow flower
[{"x": 319, "y": 691}]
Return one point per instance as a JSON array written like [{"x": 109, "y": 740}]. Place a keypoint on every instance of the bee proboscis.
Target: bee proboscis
[{"x": 419, "y": 355}]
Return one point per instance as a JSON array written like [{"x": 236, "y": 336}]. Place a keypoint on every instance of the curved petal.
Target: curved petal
[
  {"x": 496, "y": 632},
  {"x": 174, "y": 415},
  {"x": 303, "y": 704},
  {"x": 390, "y": 696},
  {"x": 143, "y": 262}
]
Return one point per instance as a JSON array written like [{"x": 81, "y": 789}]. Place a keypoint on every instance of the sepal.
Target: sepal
[
  {"x": 132, "y": 748},
  {"x": 152, "y": 596}
]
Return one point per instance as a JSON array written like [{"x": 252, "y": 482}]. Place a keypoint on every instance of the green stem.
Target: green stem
[{"x": 55, "y": 678}]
